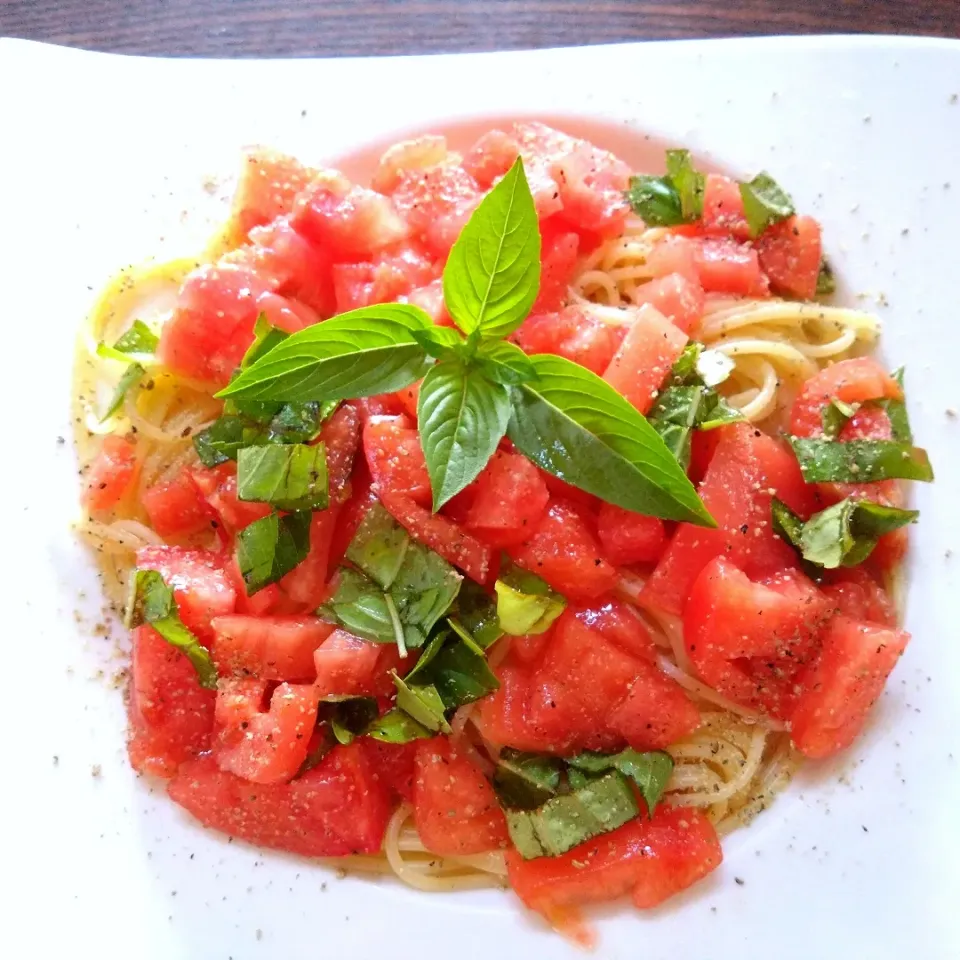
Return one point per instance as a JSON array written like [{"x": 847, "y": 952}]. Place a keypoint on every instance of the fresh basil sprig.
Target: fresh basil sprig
[
  {"x": 152, "y": 602},
  {"x": 860, "y": 461},
  {"x": 765, "y": 203},
  {"x": 269, "y": 548},
  {"x": 672, "y": 199}
]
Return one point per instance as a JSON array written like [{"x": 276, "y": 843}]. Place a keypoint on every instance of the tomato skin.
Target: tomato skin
[
  {"x": 725, "y": 266},
  {"x": 345, "y": 665},
  {"x": 617, "y": 622},
  {"x": 642, "y": 364},
  {"x": 652, "y": 859},
  {"x": 109, "y": 475},
  {"x": 790, "y": 253},
  {"x": 336, "y": 809},
  {"x": 723, "y": 208},
  {"x": 854, "y": 592},
  {"x": 562, "y": 550},
  {"x": 268, "y": 647},
  {"x": 454, "y": 806},
  {"x": 509, "y": 501},
  {"x": 176, "y": 507},
  {"x": 395, "y": 457},
  {"x": 394, "y": 765},
  {"x": 841, "y": 686},
  {"x": 218, "y": 486},
  {"x": 629, "y": 537},
  {"x": 748, "y": 639},
  {"x": 267, "y": 747},
  {"x": 678, "y": 298}
]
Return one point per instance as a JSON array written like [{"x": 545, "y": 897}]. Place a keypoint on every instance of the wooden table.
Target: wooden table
[{"x": 239, "y": 28}]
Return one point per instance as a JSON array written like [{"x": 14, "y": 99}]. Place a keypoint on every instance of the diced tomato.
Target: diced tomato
[
  {"x": 509, "y": 500},
  {"x": 393, "y": 765},
  {"x": 723, "y": 208},
  {"x": 395, "y": 458},
  {"x": 680, "y": 300},
  {"x": 592, "y": 184},
  {"x": 219, "y": 487},
  {"x": 394, "y": 271},
  {"x": 747, "y": 469},
  {"x": 306, "y": 585},
  {"x": 421, "y": 153},
  {"x": 620, "y": 624},
  {"x": 563, "y": 551},
  {"x": 171, "y": 715},
  {"x": 269, "y": 182},
  {"x": 352, "y": 513},
  {"x": 629, "y": 537},
  {"x": 790, "y": 254},
  {"x": 586, "y": 503},
  {"x": 558, "y": 265},
  {"x": 336, "y": 809},
  {"x": 454, "y": 806},
  {"x": 269, "y": 747},
  {"x": 528, "y": 647},
  {"x": 201, "y": 586},
  {"x": 854, "y": 592},
  {"x": 703, "y": 445},
  {"x": 748, "y": 639},
  {"x": 268, "y": 600},
  {"x": 347, "y": 220},
  {"x": 643, "y": 362},
  {"x": 841, "y": 686},
  {"x": 429, "y": 298},
  {"x": 850, "y": 381},
  {"x": 651, "y": 859},
  {"x": 868, "y": 423},
  {"x": 345, "y": 665},
  {"x": 725, "y": 266},
  {"x": 176, "y": 507},
  {"x": 271, "y": 648},
  {"x": 572, "y": 333},
  {"x": 110, "y": 474},
  {"x": 409, "y": 397},
  {"x": 674, "y": 254},
  {"x": 491, "y": 157}
]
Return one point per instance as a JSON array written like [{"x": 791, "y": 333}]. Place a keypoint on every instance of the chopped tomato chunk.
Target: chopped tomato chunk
[
  {"x": 176, "y": 507},
  {"x": 509, "y": 500},
  {"x": 725, "y": 266},
  {"x": 790, "y": 254},
  {"x": 629, "y": 537},
  {"x": 395, "y": 458},
  {"x": 110, "y": 474},
  {"x": 723, "y": 208},
  {"x": 270, "y": 648}
]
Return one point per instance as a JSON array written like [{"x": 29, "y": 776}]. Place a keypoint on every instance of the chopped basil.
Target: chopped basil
[
  {"x": 476, "y": 611},
  {"x": 826, "y": 283},
  {"x": 352, "y": 717},
  {"x": 131, "y": 377},
  {"x": 843, "y": 535},
  {"x": 395, "y": 726},
  {"x": 220, "y": 442},
  {"x": 524, "y": 613},
  {"x": 672, "y": 199},
  {"x": 289, "y": 477},
  {"x": 835, "y": 416},
  {"x": 423, "y": 703},
  {"x": 689, "y": 184},
  {"x": 860, "y": 461},
  {"x": 650, "y": 771},
  {"x": 265, "y": 338},
  {"x": 271, "y": 547},
  {"x": 897, "y": 412},
  {"x": 139, "y": 340},
  {"x": 526, "y": 780},
  {"x": 765, "y": 203},
  {"x": 152, "y": 602}
]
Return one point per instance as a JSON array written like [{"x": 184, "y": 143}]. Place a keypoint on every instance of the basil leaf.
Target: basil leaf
[
  {"x": 325, "y": 743},
  {"x": 131, "y": 377},
  {"x": 462, "y": 418},
  {"x": 845, "y": 534},
  {"x": 152, "y": 602},
  {"x": 423, "y": 703},
  {"x": 300, "y": 422},
  {"x": 860, "y": 461},
  {"x": 650, "y": 771},
  {"x": 350, "y": 718},
  {"x": 897, "y": 412},
  {"x": 504, "y": 362},
  {"x": 564, "y": 822},
  {"x": 395, "y": 726},
  {"x": 440, "y": 342},
  {"x": 220, "y": 442},
  {"x": 138, "y": 340},
  {"x": 826, "y": 283},
  {"x": 271, "y": 547},
  {"x": 290, "y": 477},
  {"x": 764, "y": 203},
  {"x": 356, "y": 354},
  {"x": 526, "y": 780},
  {"x": 379, "y": 546},
  {"x": 574, "y": 425},
  {"x": 655, "y": 200},
  {"x": 834, "y": 417},
  {"x": 524, "y": 613},
  {"x": 786, "y": 524},
  {"x": 493, "y": 273},
  {"x": 429, "y": 653},
  {"x": 460, "y": 675},
  {"x": 688, "y": 182},
  {"x": 265, "y": 338},
  {"x": 477, "y": 612},
  {"x": 359, "y": 605}
]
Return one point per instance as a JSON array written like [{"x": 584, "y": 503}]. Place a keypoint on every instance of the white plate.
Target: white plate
[{"x": 104, "y": 162}]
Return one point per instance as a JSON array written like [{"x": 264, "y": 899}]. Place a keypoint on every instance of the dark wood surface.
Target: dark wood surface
[{"x": 242, "y": 28}]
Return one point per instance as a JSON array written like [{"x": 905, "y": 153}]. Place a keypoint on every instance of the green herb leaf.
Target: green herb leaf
[
  {"x": 679, "y": 411},
  {"x": 476, "y": 611},
  {"x": 289, "y": 477},
  {"x": 650, "y": 771},
  {"x": 299, "y": 422},
  {"x": 655, "y": 200},
  {"x": 352, "y": 717},
  {"x": 826, "y": 283},
  {"x": 138, "y": 340},
  {"x": 395, "y": 726},
  {"x": 220, "y": 442},
  {"x": 860, "y": 461},
  {"x": 897, "y": 412},
  {"x": 462, "y": 418},
  {"x": 493, "y": 273},
  {"x": 689, "y": 184},
  {"x": 152, "y": 602},
  {"x": 271, "y": 547},
  {"x": 459, "y": 675},
  {"x": 526, "y": 780},
  {"x": 423, "y": 703},
  {"x": 504, "y": 362},
  {"x": 444, "y": 343},
  {"x": 786, "y": 524},
  {"x": 764, "y": 203},
  {"x": 356, "y": 354},
  {"x": 265, "y": 338},
  {"x": 379, "y": 546},
  {"x": 574, "y": 425},
  {"x": 131, "y": 378},
  {"x": 835, "y": 416},
  {"x": 523, "y": 613}
]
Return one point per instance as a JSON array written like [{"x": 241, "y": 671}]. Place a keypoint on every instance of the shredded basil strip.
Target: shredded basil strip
[
  {"x": 289, "y": 477},
  {"x": 897, "y": 412},
  {"x": 688, "y": 182},
  {"x": 834, "y": 417},
  {"x": 765, "y": 203},
  {"x": 526, "y": 780},
  {"x": 395, "y": 726},
  {"x": 422, "y": 701},
  {"x": 139, "y": 340},
  {"x": 650, "y": 771},
  {"x": 271, "y": 547},
  {"x": 131, "y": 378},
  {"x": 860, "y": 461},
  {"x": 152, "y": 602},
  {"x": 672, "y": 199}
]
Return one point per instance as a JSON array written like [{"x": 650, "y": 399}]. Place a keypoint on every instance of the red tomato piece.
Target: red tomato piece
[
  {"x": 219, "y": 487},
  {"x": 562, "y": 550},
  {"x": 421, "y": 153},
  {"x": 854, "y": 592},
  {"x": 201, "y": 585},
  {"x": 268, "y": 747},
  {"x": 619, "y": 623},
  {"x": 528, "y": 647},
  {"x": 429, "y": 298},
  {"x": 109, "y": 475},
  {"x": 679, "y": 299},
  {"x": 271, "y": 648},
  {"x": 408, "y": 398},
  {"x": 394, "y": 765},
  {"x": 747, "y": 469},
  {"x": 176, "y": 507},
  {"x": 592, "y": 185},
  {"x": 652, "y": 859},
  {"x": 269, "y": 600},
  {"x": 868, "y": 423},
  {"x": 643, "y": 362},
  {"x": 345, "y": 665},
  {"x": 509, "y": 501},
  {"x": 558, "y": 265},
  {"x": 336, "y": 809},
  {"x": 703, "y": 445},
  {"x": 346, "y": 220},
  {"x": 629, "y": 537},
  {"x": 574, "y": 334},
  {"x": 454, "y": 806},
  {"x": 171, "y": 715},
  {"x": 723, "y": 208},
  {"x": 790, "y": 253},
  {"x": 674, "y": 254},
  {"x": 394, "y": 271},
  {"x": 306, "y": 585},
  {"x": 841, "y": 686},
  {"x": 725, "y": 266},
  {"x": 395, "y": 458}
]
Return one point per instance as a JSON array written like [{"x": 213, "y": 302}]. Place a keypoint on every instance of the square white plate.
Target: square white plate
[{"x": 107, "y": 160}]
